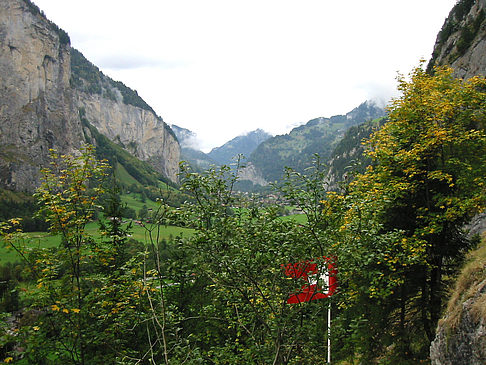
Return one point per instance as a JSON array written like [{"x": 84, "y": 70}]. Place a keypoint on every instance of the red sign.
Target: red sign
[{"x": 321, "y": 282}]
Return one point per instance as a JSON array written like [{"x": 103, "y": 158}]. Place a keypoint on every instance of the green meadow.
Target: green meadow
[{"x": 46, "y": 240}]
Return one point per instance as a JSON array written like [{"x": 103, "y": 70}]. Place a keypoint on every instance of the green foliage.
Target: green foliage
[
  {"x": 403, "y": 216},
  {"x": 219, "y": 295},
  {"x": 21, "y": 205},
  {"x": 10, "y": 276},
  {"x": 240, "y": 314},
  {"x": 92, "y": 299}
]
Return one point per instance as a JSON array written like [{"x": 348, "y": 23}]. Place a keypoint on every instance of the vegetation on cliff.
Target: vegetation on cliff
[
  {"x": 427, "y": 179},
  {"x": 457, "y": 23},
  {"x": 460, "y": 334},
  {"x": 88, "y": 78},
  {"x": 34, "y": 9},
  {"x": 141, "y": 171}
]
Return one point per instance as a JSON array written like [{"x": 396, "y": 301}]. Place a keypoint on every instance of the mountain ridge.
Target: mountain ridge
[
  {"x": 243, "y": 144},
  {"x": 297, "y": 148}
]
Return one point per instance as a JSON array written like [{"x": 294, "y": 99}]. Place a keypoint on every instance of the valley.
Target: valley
[{"x": 122, "y": 242}]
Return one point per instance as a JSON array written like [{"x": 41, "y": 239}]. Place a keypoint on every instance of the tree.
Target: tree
[
  {"x": 87, "y": 301},
  {"x": 237, "y": 259},
  {"x": 427, "y": 180}
]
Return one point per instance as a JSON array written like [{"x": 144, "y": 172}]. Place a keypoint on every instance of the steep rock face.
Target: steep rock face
[
  {"x": 250, "y": 173},
  {"x": 123, "y": 116},
  {"x": 44, "y": 86},
  {"x": 461, "y": 333},
  {"x": 461, "y": 43},
  {"x": 37, "y": 110},
  {"x": 138, "y": 130},
  {"x": 466, "y": 344}
]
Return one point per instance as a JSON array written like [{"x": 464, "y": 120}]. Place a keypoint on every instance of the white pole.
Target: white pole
[{"x": 329, "y": 333}]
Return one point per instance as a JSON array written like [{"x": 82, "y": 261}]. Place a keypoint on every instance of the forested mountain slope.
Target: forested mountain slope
[
  {"x": 297, "y": 148},
  {"x": 244, "y": 144}
]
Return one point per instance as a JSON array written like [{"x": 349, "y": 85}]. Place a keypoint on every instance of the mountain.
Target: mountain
[
  {"x": 50, "y": 94},
  {"x": 461, "y": 43},
  {"x": 297, "y": 148},
  {"x": 223, "y": 155},
  {"x": 347, "y": 157},
  {"x": 120, "y": 114},
  {"x": 190, "y": 152},
  {"x": 244, "y": 145}
]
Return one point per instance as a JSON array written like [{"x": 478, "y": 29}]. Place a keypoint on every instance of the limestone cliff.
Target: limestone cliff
[
  {"x": 461, "y": 43},
  {"x": 37, "y": 109},
  {"x": 138, "y": 130},
  {"x": 250, "y": 173},
  {"x": 121, "y": 115},
  {"x": 42, "y": 94}
]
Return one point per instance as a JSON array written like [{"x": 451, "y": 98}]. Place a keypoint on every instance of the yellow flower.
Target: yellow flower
[
  {"x": 75, "y": 310},
  {"x": 36, "y": 328},
  {"x": 8, "y": 360},
  {"x": 65, "y": 310},
  {"x": 55, "y": 308}
]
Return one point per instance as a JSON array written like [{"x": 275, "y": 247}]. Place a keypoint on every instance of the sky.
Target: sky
[{"x": 222, "y": 68}]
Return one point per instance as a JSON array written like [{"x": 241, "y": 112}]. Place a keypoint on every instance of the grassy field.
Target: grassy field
[
  {"x": 45, "y": 240},
  {"x": 133, "y": 201}
]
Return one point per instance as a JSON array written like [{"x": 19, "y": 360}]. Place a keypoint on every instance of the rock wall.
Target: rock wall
[
  {"x": 140, "y": 131},
  {"x": 461, "y": 43},
  {"x": 37, "y": 110},
  {"x": 461, "y": 334},
  {"x": 250, "y": 173}
]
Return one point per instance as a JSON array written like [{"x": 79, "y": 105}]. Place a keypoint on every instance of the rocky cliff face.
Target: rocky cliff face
[
  {"x": 138, "y": 130},
  {"x": 461, "y": 43},
  {"x": 41, "y": 99},
  {"x": 250, "y": 173},
  {"x": 461, "y": 334},
  {"x": 123, "y": 116},
  {"x": 37, "y": 110}
]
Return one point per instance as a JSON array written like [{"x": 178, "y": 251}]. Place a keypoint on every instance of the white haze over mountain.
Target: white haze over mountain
[{"x": 221, "y": 68}]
